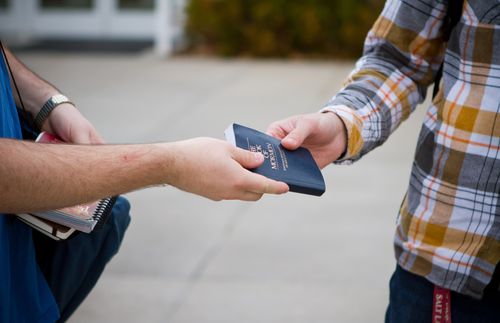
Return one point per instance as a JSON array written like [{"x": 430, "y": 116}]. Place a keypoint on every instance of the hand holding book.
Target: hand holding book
[
  {"x": 324, "y": 134},
  {"x": 296, "y": 168},
  {"x": 217, "y": 170}
]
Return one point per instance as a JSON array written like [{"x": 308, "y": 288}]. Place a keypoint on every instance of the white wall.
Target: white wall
[{"x": 24, "y": 20}]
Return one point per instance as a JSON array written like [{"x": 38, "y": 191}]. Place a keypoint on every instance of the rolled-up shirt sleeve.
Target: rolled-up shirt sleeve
[{"x": 402, "y": 54}]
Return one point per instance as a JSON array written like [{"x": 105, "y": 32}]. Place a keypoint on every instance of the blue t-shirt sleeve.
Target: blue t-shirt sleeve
[{"x": 24, "y": 293}]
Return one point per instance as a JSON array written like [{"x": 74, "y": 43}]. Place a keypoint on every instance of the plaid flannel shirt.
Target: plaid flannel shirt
[{"x": 448, "y": 228}]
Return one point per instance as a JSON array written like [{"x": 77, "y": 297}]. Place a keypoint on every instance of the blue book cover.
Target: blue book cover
[{"x": 297, "y": 168}]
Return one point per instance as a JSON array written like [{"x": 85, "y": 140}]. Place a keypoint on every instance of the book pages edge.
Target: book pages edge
[{"x": 229, "y": 134}]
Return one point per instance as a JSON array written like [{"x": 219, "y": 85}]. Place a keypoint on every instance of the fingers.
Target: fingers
[
  {"x": 96, "y": 139},
  {"x": 69, "y": 124},
  {"x": 260, "y": 184},
  {"x": 280, "y": 129},
  {"x": 85, "y": 136},
  {"x": 276, "y": 130},
  {"x": 223, "y": 174},
  {"x": 275, "y": 187},
  {"x": 80, "y": 138},
  {"x": 292, "y": 131},
  {"x": 296, "y": 137},
  {"x": 247, "y": 159},
  {"x": 255, "y": 183},
  {"x": 251, "y": 196},
  {"x": 254, "y": 189}
]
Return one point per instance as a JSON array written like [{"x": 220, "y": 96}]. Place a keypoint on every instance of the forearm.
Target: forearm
[
  {"x": 34, "y": 90},
  {"x": 40, "y": 176},
  {"x": 400, "y": 60}
]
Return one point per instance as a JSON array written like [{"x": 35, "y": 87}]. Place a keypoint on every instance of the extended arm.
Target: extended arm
[
  {"x": 44, "y": 176},
  {"x": 402, "y": 53},
  {"x": 40, "y": 176}
]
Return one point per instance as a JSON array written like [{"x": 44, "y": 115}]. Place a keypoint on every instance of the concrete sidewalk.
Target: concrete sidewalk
[{"x": 284, "y": 259}]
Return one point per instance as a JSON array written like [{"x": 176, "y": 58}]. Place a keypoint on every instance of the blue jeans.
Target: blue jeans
[
  {"x": 72, "y": 267},
  {"x": 411, "y": 298}
]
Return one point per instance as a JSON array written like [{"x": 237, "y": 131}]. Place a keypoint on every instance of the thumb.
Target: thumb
[
  {"x": 297, "y": 136},
  {"x": 96, "y": 139},
  {"x": 248, "y": 159},
  {"x": 85, "y": 135},
  {"x": 80, "y": 138}
]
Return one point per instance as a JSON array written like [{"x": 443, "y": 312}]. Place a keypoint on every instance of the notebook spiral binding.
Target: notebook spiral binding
[{"x": 103, "y": 211}]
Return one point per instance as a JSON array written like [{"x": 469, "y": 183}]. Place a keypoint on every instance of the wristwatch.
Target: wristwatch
[{"x": 47, "y": 108}]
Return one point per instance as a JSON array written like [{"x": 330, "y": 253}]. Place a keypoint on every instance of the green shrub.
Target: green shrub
[{"x": 281, "y": 28}]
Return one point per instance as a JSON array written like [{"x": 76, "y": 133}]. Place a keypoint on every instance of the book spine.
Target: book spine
[{"x": 103, "y": 211}]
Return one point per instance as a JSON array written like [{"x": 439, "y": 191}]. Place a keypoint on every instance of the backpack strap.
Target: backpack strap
[{"x": 451, "y": 19}]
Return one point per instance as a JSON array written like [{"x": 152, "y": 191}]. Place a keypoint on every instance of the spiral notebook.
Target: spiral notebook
[{"x": 61, "y": 223}]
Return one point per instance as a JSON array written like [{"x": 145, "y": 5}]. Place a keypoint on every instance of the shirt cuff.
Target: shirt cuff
[{"x": 354, "y": 126}]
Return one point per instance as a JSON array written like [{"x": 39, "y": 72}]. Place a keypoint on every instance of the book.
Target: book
[
  {"x": 296, "y": 168},
  {"x": 61, "y": 223},
  {"x": 49, "y": 228}
]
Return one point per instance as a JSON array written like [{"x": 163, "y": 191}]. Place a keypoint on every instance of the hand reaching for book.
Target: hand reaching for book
[
  {"x": 71, "y": 126},
  {"x": 322, "y": 133},
  {"x": 219, "y": 171}
]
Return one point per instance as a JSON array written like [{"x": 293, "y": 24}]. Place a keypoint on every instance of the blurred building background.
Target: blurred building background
[
  {"x": 258, "y": 28},
  {"x": 159, "y": 22}
]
